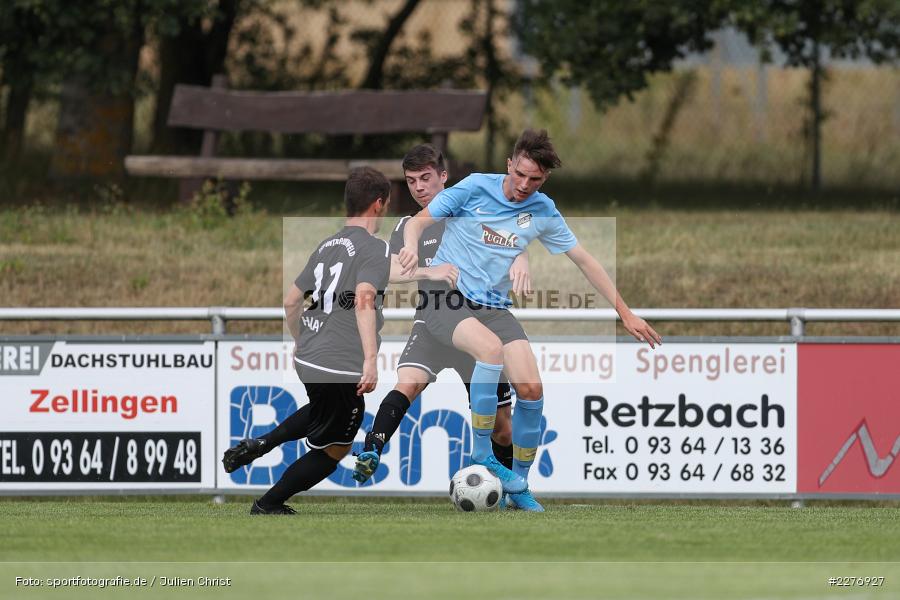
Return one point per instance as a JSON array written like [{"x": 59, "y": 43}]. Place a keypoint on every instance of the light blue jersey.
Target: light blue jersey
[{"x": 489, "y": 231}]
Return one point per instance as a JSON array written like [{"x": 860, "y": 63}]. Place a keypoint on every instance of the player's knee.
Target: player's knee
[
  {"x": 337, "y": 452},
  {"x": 410, "y": 389},
  {"x": 490, "y": 351},
  {"x": 529, "y": 390}
]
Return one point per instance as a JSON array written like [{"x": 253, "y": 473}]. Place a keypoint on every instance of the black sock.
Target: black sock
[
  {"x": 390, "y": 414},
  {"x": 295, "y": 427},
  {"x": 503, "y": 453},
  {"x": 307, "y": 471}
]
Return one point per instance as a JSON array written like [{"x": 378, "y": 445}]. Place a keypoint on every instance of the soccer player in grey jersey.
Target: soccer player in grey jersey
[{"x": 337, "y": 341}]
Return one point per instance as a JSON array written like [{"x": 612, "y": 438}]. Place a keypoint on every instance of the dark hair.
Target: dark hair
[
  {"x": 364, "y": 186},
  {"x": 423, "y": 156},
  {"x": 537, "y": 146}
]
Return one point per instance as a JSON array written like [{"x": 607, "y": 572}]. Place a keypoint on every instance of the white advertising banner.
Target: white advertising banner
[
  {"x": 100, "y": 416},
  {"x": 681, "y": 419}
]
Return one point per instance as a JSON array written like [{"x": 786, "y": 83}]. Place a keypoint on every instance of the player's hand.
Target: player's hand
[
  {"x": 409, "y": 260},
  {"x": 520, "y": 276},
  {"x": 369, "y": 378},
  {"x": 640, "y": 329},
  {"x": 447, "y": 273}
]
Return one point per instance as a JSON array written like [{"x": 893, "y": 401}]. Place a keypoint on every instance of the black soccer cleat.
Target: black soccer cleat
[
  {"x": 244, "y": 453},
  {"x": 258, "y": 509}
]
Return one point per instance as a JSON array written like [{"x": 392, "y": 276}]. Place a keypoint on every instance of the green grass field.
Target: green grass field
[{"x": 402, "y": 548}]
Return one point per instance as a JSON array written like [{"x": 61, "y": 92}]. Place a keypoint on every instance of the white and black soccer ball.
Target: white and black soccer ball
[{"x": 474, "y": 488}]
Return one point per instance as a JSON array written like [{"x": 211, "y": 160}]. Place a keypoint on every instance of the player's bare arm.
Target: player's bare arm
[
  {"x": 293, "y": 308},
  {"x": 598, "y": 277},
  {"x": 366, "y": 324},
  {"x": 447, "y": 273},
  {"x": 520, "y": 274},
  {"x": 409, "y": 254}
]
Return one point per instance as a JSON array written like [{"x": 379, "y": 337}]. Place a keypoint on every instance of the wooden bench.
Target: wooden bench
[{"x": 360, "y": 112}]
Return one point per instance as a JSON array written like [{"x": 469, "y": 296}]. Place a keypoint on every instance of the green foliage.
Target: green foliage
[
  {"x": 211, "y": 207},
  {"x": 36, "y": 223},
  {"x": 110, "y": 200},
  {"x": 55, "y": 39},
  {"x": 11, "y": 266},
  {"x": 240, "y": 202},
  {"x": 270, "y": 54},
  {"x": 139, "y": 283},
  {"x": 847, "y": 28},
  {"x": 804, "y": 29},
  {"x": 611, "y": 47}
]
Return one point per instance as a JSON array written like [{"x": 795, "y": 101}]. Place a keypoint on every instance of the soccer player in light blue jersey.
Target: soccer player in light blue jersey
[{"x": 496, "y": 216}]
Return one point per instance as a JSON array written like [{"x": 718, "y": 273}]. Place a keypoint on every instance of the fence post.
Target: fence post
[
  {"x": 798, "y": 324},
  {"x": 218, "y": 324},
  {"x": 218, "y": 328}
]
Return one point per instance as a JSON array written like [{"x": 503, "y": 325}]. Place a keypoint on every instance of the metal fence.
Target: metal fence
[{"x": 218, "y": 316}]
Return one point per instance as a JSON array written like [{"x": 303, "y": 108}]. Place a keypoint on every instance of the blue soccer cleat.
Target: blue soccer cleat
[
  {"x": 366, "y": 464},
  {"x": 524, "y": 501},
  {"x": 512, "y": 483}
]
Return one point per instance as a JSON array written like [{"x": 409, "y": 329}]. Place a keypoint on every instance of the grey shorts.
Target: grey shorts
[
  {"x": 446, "y": 309},
  {"x": 425, "y": 353}
]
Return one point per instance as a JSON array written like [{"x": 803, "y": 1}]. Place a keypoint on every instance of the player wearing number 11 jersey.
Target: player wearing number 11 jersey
[{"x": 337, "y": 341}]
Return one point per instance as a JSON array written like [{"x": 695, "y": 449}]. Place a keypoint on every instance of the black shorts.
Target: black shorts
[
  {"x": 425, "y": 353},
  {"x": 337, "y": 411},
  {"x": 446, "y": 308}
]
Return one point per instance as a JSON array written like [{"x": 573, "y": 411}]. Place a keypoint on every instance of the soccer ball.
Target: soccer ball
[{"x": 475, "y": 489}]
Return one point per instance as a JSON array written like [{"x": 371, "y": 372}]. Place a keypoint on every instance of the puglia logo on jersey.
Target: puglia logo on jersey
[{"x": 501, "y": 238}]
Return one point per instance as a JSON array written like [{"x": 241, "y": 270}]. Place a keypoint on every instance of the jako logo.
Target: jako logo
[
  {"x": 877, "y": 466},
  {"x": 256, "y": 410}
]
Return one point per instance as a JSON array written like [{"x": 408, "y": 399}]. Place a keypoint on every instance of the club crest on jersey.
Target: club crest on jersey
[
  {"x": 524, "y": 220},
  {"x": 501, "y": 238}
]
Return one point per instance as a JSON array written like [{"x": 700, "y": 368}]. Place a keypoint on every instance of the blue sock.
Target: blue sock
[
  {"x": 526, "y": 433},
  {"x": 484, "y": 408}
]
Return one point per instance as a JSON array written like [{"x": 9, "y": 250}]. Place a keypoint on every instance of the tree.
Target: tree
[
  {"x": 192, "y": 46},
  {"x": 805, "y": 29},
  {"x": 95, "y": 51},
  {"x": 22, "y": 29},
  {"x": 374, "y": 79},
  {"x": 611, "y": 47},
  {"x": 94, "y": 130}
]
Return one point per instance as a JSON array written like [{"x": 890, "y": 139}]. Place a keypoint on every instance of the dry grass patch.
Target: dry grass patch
[{"x": 665, "y": 258}]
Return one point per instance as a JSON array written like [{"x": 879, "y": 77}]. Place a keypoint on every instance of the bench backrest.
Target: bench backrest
[{"x": 328, "y": 113}]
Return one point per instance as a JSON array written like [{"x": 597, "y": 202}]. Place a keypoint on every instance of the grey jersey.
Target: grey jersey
[
  {"x": 428, "y": 243},
  {"x": 329, "y": 338},
  {"x": 428, "y": 247}
]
